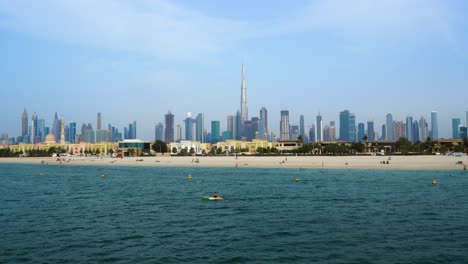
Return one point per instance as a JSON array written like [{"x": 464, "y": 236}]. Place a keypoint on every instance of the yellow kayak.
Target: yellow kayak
[{"x": 206, "y": 197}]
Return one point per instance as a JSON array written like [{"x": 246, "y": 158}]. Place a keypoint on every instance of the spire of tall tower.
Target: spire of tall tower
[{"x": 244, "y": 111}]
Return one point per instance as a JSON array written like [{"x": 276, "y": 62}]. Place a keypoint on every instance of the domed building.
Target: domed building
[{"x": 50, "y": 139}]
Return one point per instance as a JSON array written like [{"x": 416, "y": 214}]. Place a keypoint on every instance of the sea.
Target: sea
[{"x": 117, "y": 214}]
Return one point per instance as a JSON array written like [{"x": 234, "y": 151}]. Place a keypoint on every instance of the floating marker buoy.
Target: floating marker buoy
[
  {"x": 297, "y": 180},
  {"x": 434, "y": 182},
  {"x": 190, "y": 177}
]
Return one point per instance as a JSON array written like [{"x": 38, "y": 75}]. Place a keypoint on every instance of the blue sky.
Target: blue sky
[{"x": 135, "y": 60}]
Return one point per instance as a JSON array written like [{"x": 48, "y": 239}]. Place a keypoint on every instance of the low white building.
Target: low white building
[{"x": 186, "y": 144}]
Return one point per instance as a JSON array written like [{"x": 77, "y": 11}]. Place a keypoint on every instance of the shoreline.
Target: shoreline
[{"x": 292, "y": 162}]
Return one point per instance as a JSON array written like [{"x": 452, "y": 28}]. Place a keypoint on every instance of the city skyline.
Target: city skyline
[{"x": 399, "y": 57}]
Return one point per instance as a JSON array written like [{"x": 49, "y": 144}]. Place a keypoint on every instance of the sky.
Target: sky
[{"x": 137, "y": 60}]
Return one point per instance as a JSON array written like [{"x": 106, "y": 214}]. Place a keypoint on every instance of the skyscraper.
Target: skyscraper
[
  {"x": 302, "y": 131},
  {"x": 318, "y": 128},
  {"x": 169, "y": 130},
  {"x": 423, "y": 133},
  {"x": 332, "y": 131},
  {"x": 239, "y": 126},
  {"x": 360, "y": 132},
  {"x": 352, "y": 127},
  {"x": 455, "y": 127},
  {"x": 178, "y": 134},
  {"x": 344, "y": 125},
  {"x": 261, "y": 130},
  {"x": 189, "y": 127},
  {"x": 56, "y": 128},
  {"x": 416, "y": 131},
  {"x": 264, "y": 117},
  {"x": 294, "y": 130},
  {"x": 199, "y": 128},
  {"x": 244, "y": 111},
  {"x": 384, "y": 132},
  {"x": 71, "y": 132},
  {"x": 41, "y": 130},
  {"x": 215, "y": 131},
  {"x": 312, "y": 133},
  {"x": 399, "y": 130},
  {"x": 98, "y": 127},
  {"x": 158, "y": 132},
  {"x": 24, "y": 123},
  {"x": 62, "y": 131},
  {"x": 231, "y": 125},
  {"x": 389, "y": 126},
  {"x": 370, "y": 131},
  {"x": 409, "y": 129},
  {"x": 434, "y": 128},
  {"x": 284, "y": 125}
]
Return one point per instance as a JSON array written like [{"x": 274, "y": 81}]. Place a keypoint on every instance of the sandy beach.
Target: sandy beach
[{"x": 343, "y": 162}]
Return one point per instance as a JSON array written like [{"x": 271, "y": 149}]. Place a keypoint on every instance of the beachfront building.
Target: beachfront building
[
  {"x": 189, "y": 147},
  {"x": 288, "y": 145},
  {"x": 132, "y": 147}
]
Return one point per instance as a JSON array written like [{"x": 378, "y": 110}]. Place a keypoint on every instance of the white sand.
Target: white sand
[{"x": 355, "y": 162}]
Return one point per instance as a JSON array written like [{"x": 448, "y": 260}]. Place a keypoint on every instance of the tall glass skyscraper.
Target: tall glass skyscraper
[
  {"x": 352, "y": 127},
  {"x": 24, "y": 124},
  {"x": 361, "y": 132},
  {"x": 344, "y": 125},
  {"x": 434, "y": 128},
  {"x": 239, "y": 126},
  {"x": 72, "y": 132},
  {"x": 302, "y": 127},
  {"x": 284, "y": 125},
  {"x": 199, "y": 128},
  {"x": 370, "y": 131},
  {"x": 416, "y": 131},
  {"x": 158, "y": 132},
  {"x": 264, "y": 117},
  {"x": 231, "y": 125},
  {"x": 189, "y": 127},
  {"x": 390, "y": 133},
  {"x": 215, "y": 131},
  {"x": 169, "y": 129},
  {"x": 423, "y": 133},
  {"x": 409, "y": 128},
  {"x": 455, "y": 127},
  {"x": 318, "y": 128}
]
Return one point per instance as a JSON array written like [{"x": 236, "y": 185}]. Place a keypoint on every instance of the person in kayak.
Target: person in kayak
[{"x": 214, "y": 195}]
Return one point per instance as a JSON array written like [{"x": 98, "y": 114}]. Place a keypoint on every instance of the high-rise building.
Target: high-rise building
[
  {"x": 455, "y": 128},
  {"x": 24, "y": 124},
  {"x": 312, "y": 133},
  {"x": 71, "y": 132},
  {"x": 41, "y": 129},
  {"x": 251, "y": 129},
  {"x": 98, "y": 127},
  {"x": 88, "y": 134},
  {"x": 284, "y": 125},
  {"x": 62, "y": 131},
  {"x": 390, "y": 133},
  {"x": 102, "y": 135},
  {"x": 215, "y": 131},
  {"x": 302, "y": 131},
  {"x": 199, "y": 128},
  {"x": 463, "y": 132},
  {"x": 294, "y": 132},
  {"x": 434, "y": 128},
  {"x": 34, "y": 133},
  {"x": 178, "y": 134},
  {"x": 231, "y": 125},
  {"x": 56, "y": 128},
  {"x": 352, "y": 127},
  {"x": 332, "y": 131},
  {"x": 399, "y": 130},
  {"x": 261, "y": 130},
  {"x": 344, "y": 125},
  {"x": 264, "y": 117},
  {"x": 239, "y": 126},
  {"x": 169, "y": 130},
  {"x": 158, "y": 132},
  {"x": 244, "y": 111},
  {"x": 370, "y": 131},
  {"x": 409, "y": 129},
  {"x": 318, "y": 128},
  {"x": 416, "y": 131},
  {"x": 189, "y": 127},
  {"x": 423, "y": 133},
  {"x": 384, "y": 132},
  {"x": 360, "y": 132}
]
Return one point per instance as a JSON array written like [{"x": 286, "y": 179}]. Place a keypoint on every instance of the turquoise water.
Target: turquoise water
[{"x": 155, "y": 215}]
